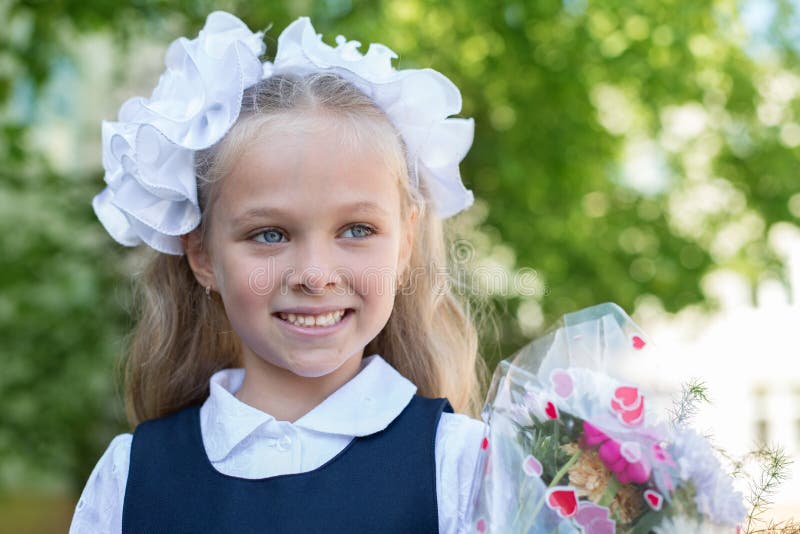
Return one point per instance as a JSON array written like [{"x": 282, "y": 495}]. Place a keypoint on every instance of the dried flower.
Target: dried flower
[
  {"x": 589, "y": 475},
  {"x": 628, "y": 503}
]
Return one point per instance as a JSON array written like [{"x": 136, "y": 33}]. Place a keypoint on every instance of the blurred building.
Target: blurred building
[{"x": 749, "y": 357}]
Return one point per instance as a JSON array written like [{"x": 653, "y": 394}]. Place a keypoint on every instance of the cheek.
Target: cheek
[
  {"x": 376, "y": 274},
  {"x": 246, "y": 281}
]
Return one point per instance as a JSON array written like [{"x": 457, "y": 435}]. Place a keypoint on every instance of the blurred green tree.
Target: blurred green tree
[{"x": 623, "y": 149}]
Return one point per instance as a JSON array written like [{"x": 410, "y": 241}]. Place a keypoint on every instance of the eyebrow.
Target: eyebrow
[{"x": 252, "y": 214}]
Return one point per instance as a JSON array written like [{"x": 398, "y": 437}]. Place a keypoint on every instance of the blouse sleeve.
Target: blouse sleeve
[
  {"x": 99, "y": 510},
  {"x": 458, "y": 443}
]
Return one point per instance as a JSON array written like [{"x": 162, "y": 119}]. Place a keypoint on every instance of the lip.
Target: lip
[
  {"x": 314, "y": 331},
  {"x": 312, "y": 310}
]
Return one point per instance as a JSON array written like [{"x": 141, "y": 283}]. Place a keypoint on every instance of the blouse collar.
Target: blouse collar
[{"x": 364, "y": 405}]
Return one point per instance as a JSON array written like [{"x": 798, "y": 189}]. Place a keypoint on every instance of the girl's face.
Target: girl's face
[{"x": 306, "y": 242}]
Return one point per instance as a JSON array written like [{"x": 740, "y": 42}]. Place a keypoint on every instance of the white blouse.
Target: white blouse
[{"x": 243, "y": 441}]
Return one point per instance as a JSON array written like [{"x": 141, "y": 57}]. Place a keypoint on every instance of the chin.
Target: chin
[{"x": 314, "y": 369}]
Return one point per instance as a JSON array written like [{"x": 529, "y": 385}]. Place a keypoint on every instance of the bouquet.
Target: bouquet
[{"x": 574, "y": 445}]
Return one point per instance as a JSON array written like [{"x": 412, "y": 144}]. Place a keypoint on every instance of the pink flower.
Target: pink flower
[{"x": 624, "y": 459}]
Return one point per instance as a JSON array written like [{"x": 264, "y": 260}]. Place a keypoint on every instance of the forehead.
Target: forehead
[{"x": 315, "y": 167}]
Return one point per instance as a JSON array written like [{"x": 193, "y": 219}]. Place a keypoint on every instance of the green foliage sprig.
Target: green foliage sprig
[
  {"x": 685, "y": 407},
  {"x": 773, "y": 466}
]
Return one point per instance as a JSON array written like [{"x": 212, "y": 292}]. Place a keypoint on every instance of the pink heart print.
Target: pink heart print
[
  {"x": 563, "y": 500},
  {"x": 631, "y": 451},
  {"x": 531, "y": 466},
  {"x": 627, "y": 396},
  {"x": 628, "y": 405},
  {"x": 589, "y": 511},
  {"x": 562, "y": 383},
  {"x": 594, "y": 519},
  {"x": 551, "y": 410},
  {"x": 480, "y": 525},
  {"x": 654, "y": 499},
  {"x": 638, "y": 342},
  {"x": 662, "y": 455}
]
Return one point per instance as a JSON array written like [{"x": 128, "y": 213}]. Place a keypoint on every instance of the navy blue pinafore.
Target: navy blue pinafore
[{"x": 381, "y": 483}]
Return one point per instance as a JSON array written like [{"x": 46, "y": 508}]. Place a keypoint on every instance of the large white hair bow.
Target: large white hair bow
[{"x": 148, "y": 154}]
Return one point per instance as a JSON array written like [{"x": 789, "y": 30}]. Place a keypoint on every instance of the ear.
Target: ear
[{"x": 199, "y": 259}]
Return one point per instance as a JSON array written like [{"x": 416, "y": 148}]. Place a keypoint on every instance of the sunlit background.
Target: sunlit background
[{"x": 637, "y": 151}]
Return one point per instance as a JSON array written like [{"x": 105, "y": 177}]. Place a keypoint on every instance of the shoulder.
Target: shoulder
[
  {"x": 150, "y": 436},
  {"x": 457, "y": 426},
  {"x": 177, "y": 417},
  {"x": 458, "y": 438},
  {"x": 99, "y": 508},
  {"x": 458, "y": 447},
  {"x": 115, "y": 457}
]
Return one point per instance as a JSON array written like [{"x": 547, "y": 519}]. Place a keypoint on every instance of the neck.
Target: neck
[{"x": 285, "y": 395}]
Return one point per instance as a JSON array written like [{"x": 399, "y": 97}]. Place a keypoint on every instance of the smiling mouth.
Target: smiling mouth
[{"x": 315, "y": 321}]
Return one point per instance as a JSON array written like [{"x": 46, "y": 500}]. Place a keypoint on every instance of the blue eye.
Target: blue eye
[
  {"x": 359, "y": 230},
  {"x": 271, "y": 235}
]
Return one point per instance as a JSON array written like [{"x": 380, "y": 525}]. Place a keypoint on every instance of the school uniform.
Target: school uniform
[{"x": 373, "y": 456}]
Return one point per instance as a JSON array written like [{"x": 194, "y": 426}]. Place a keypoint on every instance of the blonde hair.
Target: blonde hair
[{"x": 182, "y": 337}]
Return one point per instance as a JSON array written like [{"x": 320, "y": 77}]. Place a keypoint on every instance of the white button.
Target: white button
[
  {"x": 368, "y": 399},
  {"x": 284, "y": 443}
]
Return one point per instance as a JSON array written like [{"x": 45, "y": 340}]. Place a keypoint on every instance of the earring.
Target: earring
[{"x": 208, "y": 292}]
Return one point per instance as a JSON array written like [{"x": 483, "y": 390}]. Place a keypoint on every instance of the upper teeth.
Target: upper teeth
[{"x": 324, "y": 319}]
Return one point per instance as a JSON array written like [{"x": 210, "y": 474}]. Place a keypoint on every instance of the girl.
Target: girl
[{"x": 296, "y": 347}]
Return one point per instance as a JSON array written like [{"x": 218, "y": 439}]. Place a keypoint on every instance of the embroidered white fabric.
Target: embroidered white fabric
[{"x": 243, "y": 441}]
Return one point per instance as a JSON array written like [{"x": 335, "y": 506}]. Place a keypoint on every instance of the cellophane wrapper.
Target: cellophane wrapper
[{"x": 573, "y": 444}]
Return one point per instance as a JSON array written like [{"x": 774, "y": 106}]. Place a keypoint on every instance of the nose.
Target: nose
[{"x": 314, "y": 267}]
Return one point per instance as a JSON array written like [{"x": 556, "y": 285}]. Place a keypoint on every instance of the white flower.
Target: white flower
[
  {"x": 686, "y": 525},
  {"x": 715, "y": 495}
]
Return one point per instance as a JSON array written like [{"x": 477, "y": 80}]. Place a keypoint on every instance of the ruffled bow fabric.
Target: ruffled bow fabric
[
  {"x": 417, "y": 101},
  {"x": 148, "y": 154},
  {"x": 151, "y": 195}
]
